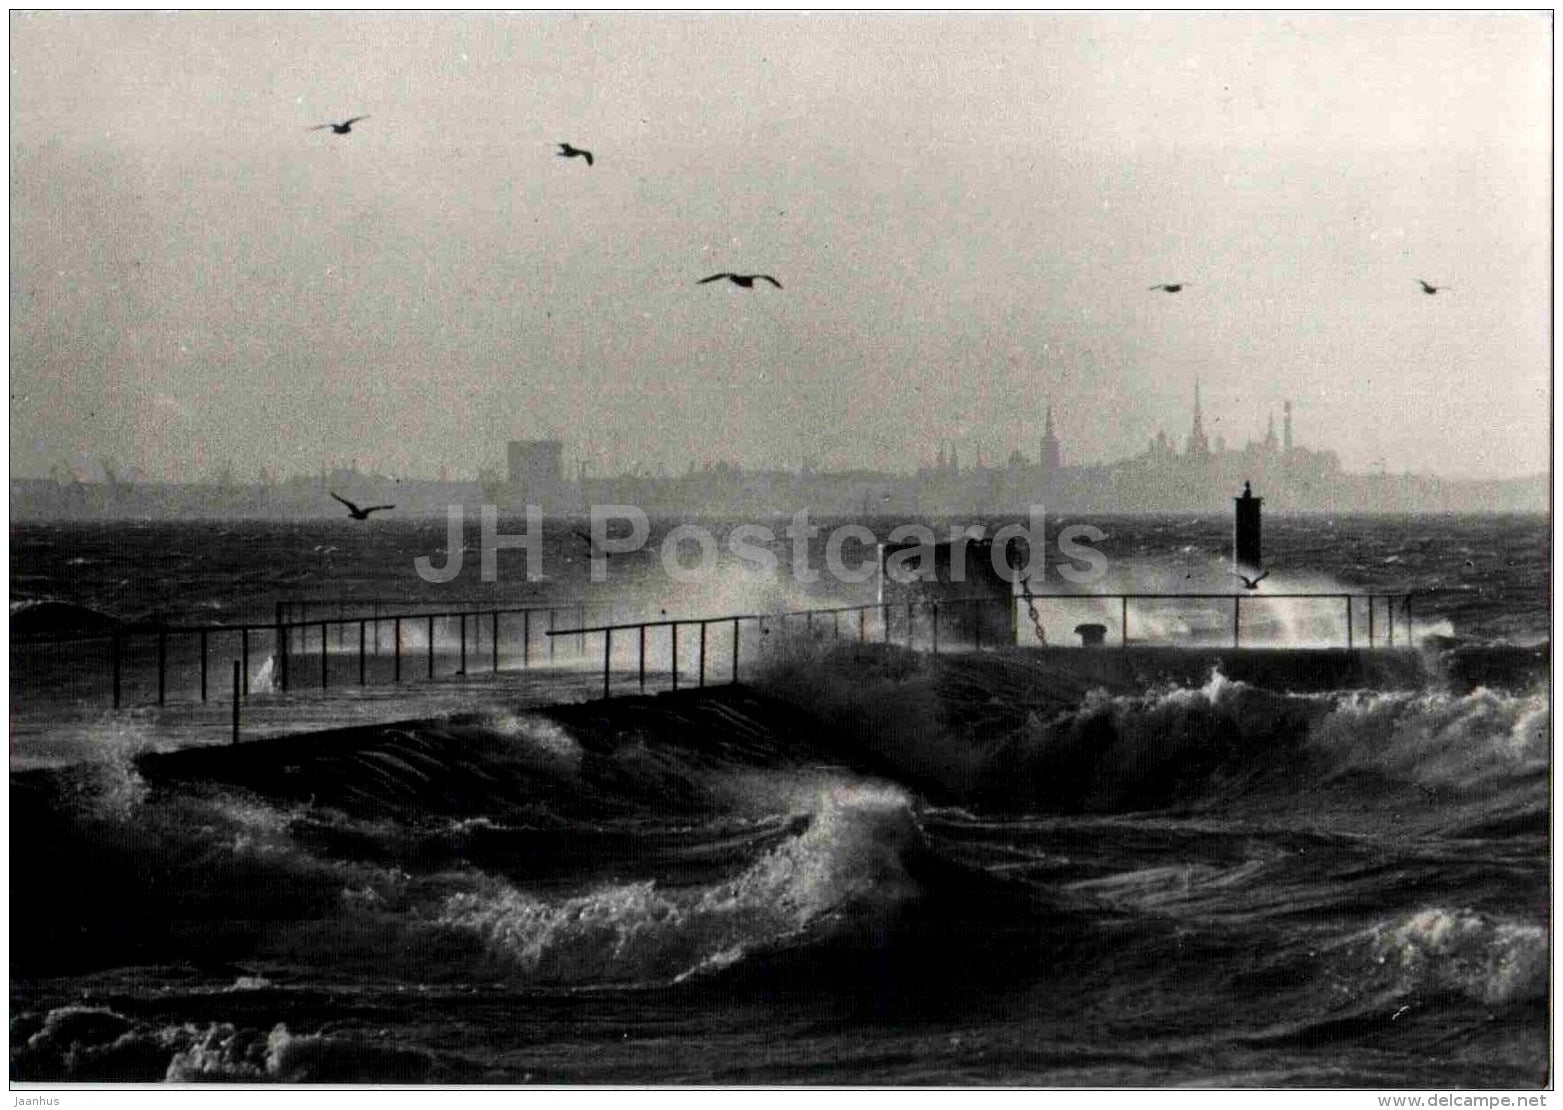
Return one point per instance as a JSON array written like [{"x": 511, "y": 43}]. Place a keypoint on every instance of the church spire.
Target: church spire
[
  {"x": 1052, "y": 454},
  {"x": 1198, "y": 444}
]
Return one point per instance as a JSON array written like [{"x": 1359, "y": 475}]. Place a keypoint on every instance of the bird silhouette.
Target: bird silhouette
[
  {"x": 1252, "y": 583},
  {"x": 361, "y": 514},
  {"x": 1431, "y": 290},
  {"x": 343, "y": 128},
  {"x": 746, "y": 281},
  {"x": 568, "y": 151},
  {"x": 1170, "y": 286}
]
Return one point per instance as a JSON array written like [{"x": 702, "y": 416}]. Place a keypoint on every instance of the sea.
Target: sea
[{"x": 863, "y": 865}]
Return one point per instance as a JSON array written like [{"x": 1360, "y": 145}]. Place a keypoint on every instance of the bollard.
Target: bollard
[
  {"x": 1347, "y": 599},
  {"x": 674, "y": 627},
  {"x": 244, "y": 654},
  {"x": 1123, "y": 621},
  {"x": 463, "y": 670},
  {"x": 642, "y": 659},
  {"x": 552, "y": 639},
  {"x": 237, "y": 686},
  {"x": 1237, "y": 609},
  {"x": 702, "y": 653},
  {"x": 607, "y": 656},
  {"x": 862, "y": 624},
  {"x": 936, "y": 628}
]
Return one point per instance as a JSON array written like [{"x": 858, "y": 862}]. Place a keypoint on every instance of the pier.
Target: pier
[{"x": 350, "y": 660}]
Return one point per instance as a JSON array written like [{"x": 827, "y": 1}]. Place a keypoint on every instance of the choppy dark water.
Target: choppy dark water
[{"x": 964, "y": 871}]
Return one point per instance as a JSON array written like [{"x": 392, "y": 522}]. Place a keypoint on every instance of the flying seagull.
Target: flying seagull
[
  {"x": 343, "y": 128},
  {"x": 744, "y": 280},
  {"x": 1431, "y": 290},
  {"x": 1170, "y": 286},
  {"x": 1252, "y": 583},
  {"x": 361, "y": 514},
  {"x": 568, "y": 151}
]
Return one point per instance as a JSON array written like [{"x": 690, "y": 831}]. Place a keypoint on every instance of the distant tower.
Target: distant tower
[
  {"x": 1270, "y": 440},
  {"x": 1246, "y": 554},
  {"x": 1286, "y": 427},
  {"x": 1052, "y": 456},
  {"x": 940, "y": 465},
  {"x": 1198, "y": 445}
]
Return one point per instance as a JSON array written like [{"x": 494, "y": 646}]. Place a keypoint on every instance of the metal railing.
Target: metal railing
[
  {"x": 921, "y": 629},
  {"x": 160, "y": 664},
  {"x": 148, "y": 665}
]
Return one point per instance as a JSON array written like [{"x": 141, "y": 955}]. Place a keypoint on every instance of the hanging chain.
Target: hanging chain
[{"x": 1031, "y": 608}]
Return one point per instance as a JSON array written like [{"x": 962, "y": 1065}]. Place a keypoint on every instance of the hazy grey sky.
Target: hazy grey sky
[{"x": 966, "y": 213}]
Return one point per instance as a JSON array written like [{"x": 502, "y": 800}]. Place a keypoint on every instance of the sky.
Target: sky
[{"x": 966, "y": 214}]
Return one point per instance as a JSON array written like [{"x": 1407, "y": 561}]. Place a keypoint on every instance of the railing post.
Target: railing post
[
  {"x": 580, "y": 622},
  {"x": 115, "y": 653},
  {"x": 236, "y": 689},
  {"x": 162, "y": 665},
  {"x": 979, "y": 625},
  {"x": 674, "y": 627},
  {"x": 1349, "y": 644},
  {"x": 1123, "y": 621},
  {"x": 430, "y": 651},
  {"x": 1410, "y": 628},
  {"x": 375, "y": 611},
  {"x": 1237, "y": 611},
  {"x": 494, "y": 639},
  {"x": 702, "y": 681},
  {"x": 862, "y": 624},
  {"x": 396, "y": 649},
  {"x": 463, "y": 670},
  {"x": 641, "y": 658},
  {"x": 526, "y": 638},
  {"x": 551, "y": 637},
  {"x": 884, "y": 623},
  {"x": 607, "y": 654},
  {"x": 908, "y": 624},
  {"x": 935, "y": 612},
  {"x": 244, "y": 654},
  {"x": 282, "y": 650},
  {"x": 1389, "y": 624},
  {"x": 363, "y": 641},
  {"x": 835, "y": 625},
  {"x": 1370, "y": 620},
  {"x": 203, "y": 664},
  {"x": 735, "y": 651},
  {"x": 325, "y": 641}
]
